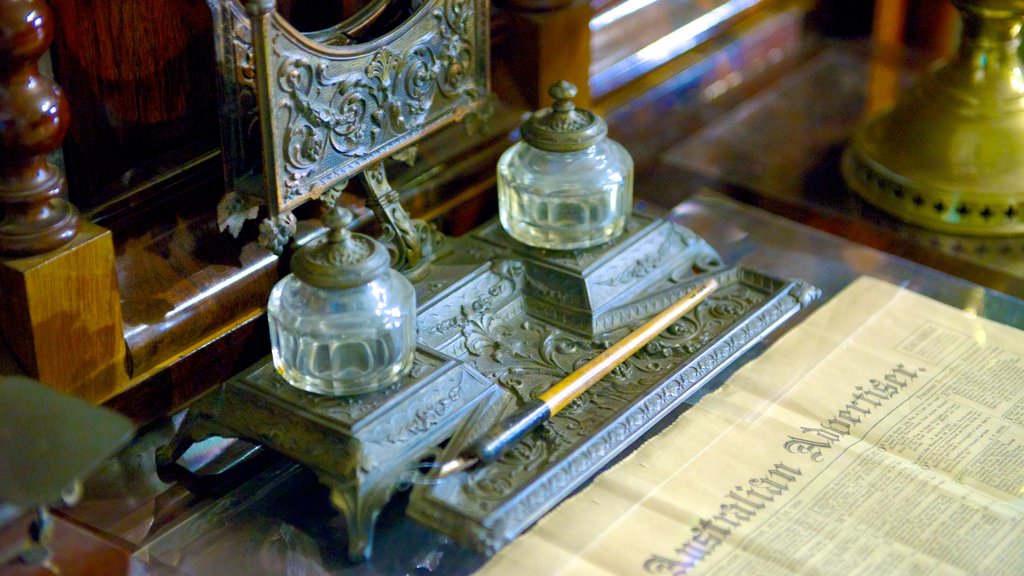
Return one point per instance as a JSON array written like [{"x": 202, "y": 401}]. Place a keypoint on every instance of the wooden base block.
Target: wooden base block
[{"x": 60, "y": 315}]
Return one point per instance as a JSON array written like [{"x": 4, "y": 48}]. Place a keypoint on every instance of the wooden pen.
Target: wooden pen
[{"x": 500, "y": 437}]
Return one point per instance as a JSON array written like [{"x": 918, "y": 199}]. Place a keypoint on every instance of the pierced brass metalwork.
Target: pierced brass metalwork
[{"x": 950, "y": 155}]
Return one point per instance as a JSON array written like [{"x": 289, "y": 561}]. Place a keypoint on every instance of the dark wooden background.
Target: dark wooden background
[{"x": 140, "y": 76}]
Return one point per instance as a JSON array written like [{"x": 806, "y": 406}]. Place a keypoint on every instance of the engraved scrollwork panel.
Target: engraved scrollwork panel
[
  {"x": 338, "y": 109},
  {"x": 669, "y": 250},
  {"x": 481, "y": 297},
  {"x": 292, "y": 434},
  {"x": 555, "y": 288},
  {"x": 457, "y": 59},
  {"x": 637, "y": 270}
]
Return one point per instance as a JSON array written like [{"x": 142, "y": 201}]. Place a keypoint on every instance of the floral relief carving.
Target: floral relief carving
[
  {"x": 245, "y": 71},
  {"x": 637, "y": 271},
  {"x": 497, "y": 286},
  {"x": 355, "y": 113},
  {"x": 457, "y": 56}
]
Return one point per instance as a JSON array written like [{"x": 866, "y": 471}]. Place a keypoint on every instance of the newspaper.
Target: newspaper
[{"x": 884, "y": 435}]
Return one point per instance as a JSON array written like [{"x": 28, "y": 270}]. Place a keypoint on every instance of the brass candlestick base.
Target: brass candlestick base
[{"x": 950, "y": 155}]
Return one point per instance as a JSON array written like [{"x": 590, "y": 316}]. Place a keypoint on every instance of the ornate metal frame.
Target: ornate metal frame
[{"x": 302, "y": 113}]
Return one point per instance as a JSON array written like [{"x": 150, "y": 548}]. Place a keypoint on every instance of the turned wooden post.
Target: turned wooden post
[
  {"x": 33, "y": 120},
  {"x": 551, "y": 42},
  {"x": 60, "y": 310}
]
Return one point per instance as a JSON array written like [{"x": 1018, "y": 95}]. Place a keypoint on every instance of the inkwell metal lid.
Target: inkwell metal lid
[
  {"x": 563, "y": 127},
  {"x": 344, "y": 260}
]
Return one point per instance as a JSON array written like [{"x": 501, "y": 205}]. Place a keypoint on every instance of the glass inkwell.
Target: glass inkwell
[
  {"x": 566, "y": 185},
  {"x": 343, "y": 322}
]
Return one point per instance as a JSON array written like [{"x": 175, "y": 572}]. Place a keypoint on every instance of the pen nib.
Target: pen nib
[{"x": 457, "y": 465}]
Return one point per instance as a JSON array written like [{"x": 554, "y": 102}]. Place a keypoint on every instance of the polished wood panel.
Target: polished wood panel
[
  {"x": 184, "y": 283},
  {"x": 140, "y": 76},
  {"x": 61, "y": 316},
  {"x": 548, "y": 46},
  {"x": 170, "y": 386},
  {"x": 60, "y": 313},
  {"x": 34, "y": 217}
]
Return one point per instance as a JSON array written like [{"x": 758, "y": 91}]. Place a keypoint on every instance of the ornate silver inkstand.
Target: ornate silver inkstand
[{"x": 498, "y": 321}]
